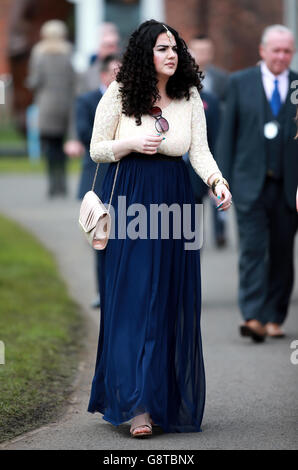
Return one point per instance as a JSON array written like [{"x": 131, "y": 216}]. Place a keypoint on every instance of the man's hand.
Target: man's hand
[{"x": 73, "y": 148}]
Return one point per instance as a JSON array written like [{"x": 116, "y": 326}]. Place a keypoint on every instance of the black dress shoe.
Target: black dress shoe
[{"x": 246, "y": 331}]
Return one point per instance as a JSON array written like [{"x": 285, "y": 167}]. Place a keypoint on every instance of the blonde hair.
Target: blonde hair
[
  {"x": 53, "y": 39},
  {"x": 53, "y": 30}
]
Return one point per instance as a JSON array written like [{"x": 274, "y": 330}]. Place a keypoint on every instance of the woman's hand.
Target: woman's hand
[
  {"x": 223, "y": 197},
  {"x": 147, "y": 143},
  {"x": 142, "y": 144}
]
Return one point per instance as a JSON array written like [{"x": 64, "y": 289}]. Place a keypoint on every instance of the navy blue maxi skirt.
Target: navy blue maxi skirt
[{"x": 149, "y": 356}]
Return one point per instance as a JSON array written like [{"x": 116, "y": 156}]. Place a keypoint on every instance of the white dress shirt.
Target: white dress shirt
[{"x": 268, "y": 82}]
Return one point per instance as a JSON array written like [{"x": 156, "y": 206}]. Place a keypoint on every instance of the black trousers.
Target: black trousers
[
  {"x": 266, "y": 264},
  {"x": 56, "y": 164}
]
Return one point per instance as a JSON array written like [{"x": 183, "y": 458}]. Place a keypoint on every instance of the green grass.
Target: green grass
[
  {"x": 10, "y": 134},
  {"x": 24, "y": 165},
  {"x": 41, "y": 328}
]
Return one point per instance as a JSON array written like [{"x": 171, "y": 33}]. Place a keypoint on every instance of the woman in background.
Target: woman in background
[{"x": 52, "y": 78}]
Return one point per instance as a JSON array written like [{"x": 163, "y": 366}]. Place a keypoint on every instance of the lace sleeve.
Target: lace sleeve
[
  {"x": 106, "y": 120},
  {"x": 200, "y": 156}
]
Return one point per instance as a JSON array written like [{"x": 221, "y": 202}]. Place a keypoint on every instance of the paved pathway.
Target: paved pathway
[{"x": 252, "y": 390}]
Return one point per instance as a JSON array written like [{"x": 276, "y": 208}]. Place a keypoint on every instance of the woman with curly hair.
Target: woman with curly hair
[{"x": 149, "y": 365}]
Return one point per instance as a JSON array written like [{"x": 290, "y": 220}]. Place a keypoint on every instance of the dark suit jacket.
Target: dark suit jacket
[
  {"x": 241, "y": 143},
  {"x": 86, "y": 105}
]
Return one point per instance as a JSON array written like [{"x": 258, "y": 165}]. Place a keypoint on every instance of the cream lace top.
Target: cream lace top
[{"x": 187, "y": 130}]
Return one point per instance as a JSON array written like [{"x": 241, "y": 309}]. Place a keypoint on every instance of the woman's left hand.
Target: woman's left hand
[{"x": 223, "y": 197}]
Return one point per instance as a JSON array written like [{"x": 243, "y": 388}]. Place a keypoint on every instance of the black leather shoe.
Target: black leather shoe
[{"x": 246, "y": 331}]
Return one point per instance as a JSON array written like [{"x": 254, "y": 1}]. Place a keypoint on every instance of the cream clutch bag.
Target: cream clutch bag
[{"x": 95, "y": 218}]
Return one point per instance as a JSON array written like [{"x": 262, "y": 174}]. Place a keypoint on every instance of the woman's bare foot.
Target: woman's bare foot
[{"x": 141, "y": 426}]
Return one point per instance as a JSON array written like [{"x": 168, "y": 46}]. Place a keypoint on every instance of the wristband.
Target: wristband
[{"x": 217, "y": 181}]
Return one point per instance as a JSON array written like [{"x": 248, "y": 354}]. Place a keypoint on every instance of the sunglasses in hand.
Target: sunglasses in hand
[{"x": 161, "y": 124}]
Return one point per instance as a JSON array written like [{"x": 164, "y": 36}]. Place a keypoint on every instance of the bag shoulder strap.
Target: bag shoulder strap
[
  {"x": 114, "y": 182},
  {"x": 95, "y": 176},
  {"x": 116, "y": 172}
]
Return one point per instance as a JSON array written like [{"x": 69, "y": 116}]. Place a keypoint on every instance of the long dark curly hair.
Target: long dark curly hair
[{"x": 137, "y": 75}]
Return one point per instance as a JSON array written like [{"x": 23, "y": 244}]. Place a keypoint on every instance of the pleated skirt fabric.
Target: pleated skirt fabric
[{"x": 149, "y": 356}]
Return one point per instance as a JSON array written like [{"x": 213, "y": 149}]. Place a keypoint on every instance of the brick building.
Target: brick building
[
  {"x": 234, "y": 25},
  {"x": 20, "y": 22},
  {"x": 5, "y": 6}
]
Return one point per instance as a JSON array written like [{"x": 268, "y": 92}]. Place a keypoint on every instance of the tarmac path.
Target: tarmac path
[{"x": 252, "y": 390}]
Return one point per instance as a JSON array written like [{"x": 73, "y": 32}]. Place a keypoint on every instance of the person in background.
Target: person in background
[
  {"x": 86, "y": 105},
  {"x": 215, "y": 79},
  {"x": 215, "y": 83},
  {"x": 109, "y": 44},
  {"x": 52, "y": 79},
  {"x": 109, "y": 40},
  {"x": 258, "y": 152}
]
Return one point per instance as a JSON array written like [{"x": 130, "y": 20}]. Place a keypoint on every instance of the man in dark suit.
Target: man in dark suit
[
  {"x": 257, "y": 153},
  {"x": 86, "y": 105}
]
